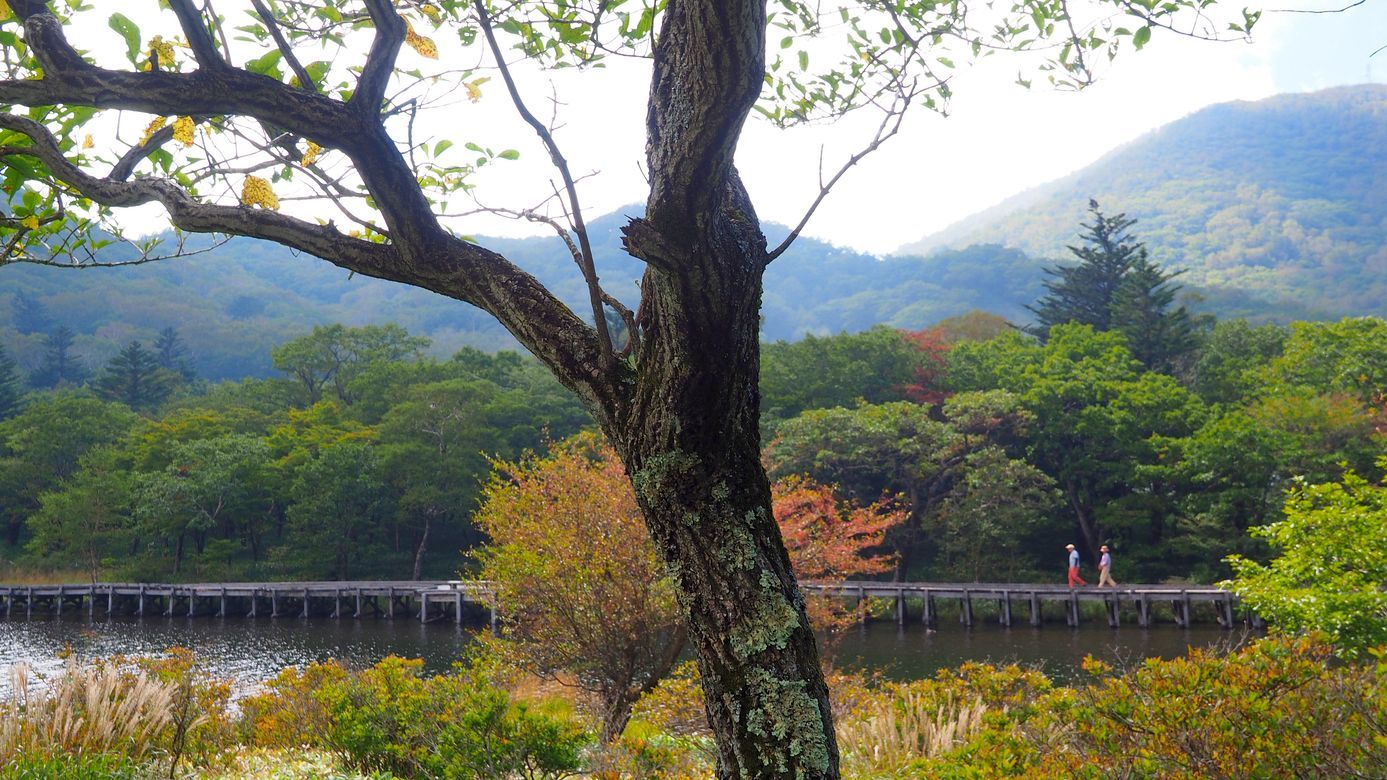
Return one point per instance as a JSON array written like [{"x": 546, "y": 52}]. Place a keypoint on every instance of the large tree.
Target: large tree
[{"x": 680, "y": 401}]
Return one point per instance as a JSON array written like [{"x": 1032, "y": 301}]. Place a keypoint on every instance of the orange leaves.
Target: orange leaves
[{"x": 830, "y": 539}]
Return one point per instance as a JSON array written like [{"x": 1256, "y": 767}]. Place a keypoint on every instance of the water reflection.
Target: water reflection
[{"x": 252, "y": 650}]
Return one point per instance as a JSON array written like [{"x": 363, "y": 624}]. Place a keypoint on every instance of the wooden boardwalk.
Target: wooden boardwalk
[
  {"x": 1013, "y": 597},
  {"x": 433, "y": 600}
]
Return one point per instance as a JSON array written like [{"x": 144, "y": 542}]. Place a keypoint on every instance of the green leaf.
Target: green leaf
[
  {"x": 1141, "y": 37},
  {"x": 130, "y": 32},
  {"x": 509, "y": 154}
]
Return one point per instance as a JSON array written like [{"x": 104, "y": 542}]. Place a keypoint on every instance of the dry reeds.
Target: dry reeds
[
  {"x": 887, "y": 734},
  {"x": 95, "y": 710}
]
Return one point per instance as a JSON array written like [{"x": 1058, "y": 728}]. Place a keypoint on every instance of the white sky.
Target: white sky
[{"x": 999, "y": 140}]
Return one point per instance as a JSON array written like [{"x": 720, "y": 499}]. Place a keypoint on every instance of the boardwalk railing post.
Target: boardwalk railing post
[
  {"x": 29, "y": 603},
  {"x": 423, "y": 606},
  {"x": 221, "y": 611},
  {"x": 1005, "y": 605},
  {"x": 1143, "y": 611},
  {"x": 927, "y": 616},
  {"x": 304, "y": 614},
  {"x": 966, "y": 614},
  {"x": 358, "y": 604},
  {"x": 900, "y": 607},
  {"x": 110, "y": 599},
  {"x": 862, "y": 605},
  {"x": 60, "y": 601},
  {"x": 1036, "y": 617}
]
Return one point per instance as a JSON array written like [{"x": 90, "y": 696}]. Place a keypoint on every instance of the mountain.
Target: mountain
[
  {"x": 232, "y": 303},
  {"x": 1279, "y": 203}
]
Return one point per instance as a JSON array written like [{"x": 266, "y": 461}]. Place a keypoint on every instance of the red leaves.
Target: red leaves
[{"x": 830, "y": 539}]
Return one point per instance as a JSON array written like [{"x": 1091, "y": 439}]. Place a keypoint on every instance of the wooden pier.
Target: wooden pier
[
  {"x": 426, "y": 601},
  {"x": 433, "y": 600},
  {"x": 1028, "y": 600}
]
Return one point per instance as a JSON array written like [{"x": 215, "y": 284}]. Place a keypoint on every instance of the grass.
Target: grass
[
  {"x": 85, "y": 711},
  {"x": 14, "y": 574}
]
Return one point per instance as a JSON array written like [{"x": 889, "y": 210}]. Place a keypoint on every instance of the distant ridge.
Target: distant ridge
[{"x": 1283, "y": 201}]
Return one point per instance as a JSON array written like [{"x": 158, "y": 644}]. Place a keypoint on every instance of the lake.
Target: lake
[{"x": 252, "y": 650}]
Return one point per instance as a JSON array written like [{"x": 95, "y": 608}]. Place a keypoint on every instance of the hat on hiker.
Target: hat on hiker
[{"x": 1069, "y": 547}]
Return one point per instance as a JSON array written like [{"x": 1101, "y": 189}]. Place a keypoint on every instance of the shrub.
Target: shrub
[
  {"x": 390, "y": 718},
  {"x": 288, "y": 712},
  {"x": 1272, "y": 709}
]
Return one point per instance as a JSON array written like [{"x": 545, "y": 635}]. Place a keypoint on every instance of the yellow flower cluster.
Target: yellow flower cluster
[
  {"x": 161, "y": 50},
  {"x": 183, "y": 130},
  {"x": 31, "y": 222},
  {"x": 311, "y": 154},
  {"x": 420, "y": 43},
  {"x": 257, "y": 192},
  {"x": 87, "y": 142},
  {"x": 154, "y": 127}
]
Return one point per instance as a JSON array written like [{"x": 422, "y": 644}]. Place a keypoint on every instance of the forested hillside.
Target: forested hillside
[
  {"x": 232, "y": 304},
  {"x": 1284, "y": 199}
]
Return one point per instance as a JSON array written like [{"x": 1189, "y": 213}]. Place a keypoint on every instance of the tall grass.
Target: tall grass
[
  {"x": 93, "y": 710},
  {"x": 890, "y": 733}
]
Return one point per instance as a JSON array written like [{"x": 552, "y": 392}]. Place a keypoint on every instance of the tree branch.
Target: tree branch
[
  {"x": 890, "y": 125},
  {"x": 380, "y": 61},
  {"x": 584, "y": 256},
  {"x": 199, "y": 39},
  {"x": 305, "y": 82}
]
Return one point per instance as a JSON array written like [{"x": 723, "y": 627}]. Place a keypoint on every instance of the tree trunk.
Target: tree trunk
[
  {"x": 691, "y": 444},
  {"x": 423, "y": 545}
]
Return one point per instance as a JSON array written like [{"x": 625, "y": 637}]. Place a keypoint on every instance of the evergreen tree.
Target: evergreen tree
[
  {"x": 29, "y": 316},
  {"x": 60, "y": 366},
  {"x": 172, "y": 354},
  {"x": 134, "y": 378},
  {"x": 1159, "y": 336},
  {"x": 1084, "y": 293},
  {"x": 10, "y": 386}
]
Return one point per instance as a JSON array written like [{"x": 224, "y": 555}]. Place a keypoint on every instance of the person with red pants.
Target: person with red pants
[{"x": 1074, "y": 578}]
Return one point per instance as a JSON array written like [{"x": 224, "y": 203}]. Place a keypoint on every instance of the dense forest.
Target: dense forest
[
  {"x": 1280, "y": 202},
  {"x": 1121, "y": 419}
]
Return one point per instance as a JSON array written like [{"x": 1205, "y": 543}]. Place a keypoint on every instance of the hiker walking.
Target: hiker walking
[
  {"x": 1105, "y": 568},
  {"x": 1074, "y": 578}
]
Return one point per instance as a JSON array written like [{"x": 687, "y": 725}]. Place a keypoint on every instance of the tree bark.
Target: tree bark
[{"x": 691, "y": 444}]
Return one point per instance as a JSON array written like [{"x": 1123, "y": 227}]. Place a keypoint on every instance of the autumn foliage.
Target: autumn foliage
[
  {"x": 832, "y": 540},
  {"x": 580, "y": 584},
  {"x": 927, "y": 384}
]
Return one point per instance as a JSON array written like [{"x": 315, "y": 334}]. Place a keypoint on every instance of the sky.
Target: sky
[{"x": 998, "y": 140}]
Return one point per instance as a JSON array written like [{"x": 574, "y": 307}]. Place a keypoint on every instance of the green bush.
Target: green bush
[{"x": 448, "y": 727}]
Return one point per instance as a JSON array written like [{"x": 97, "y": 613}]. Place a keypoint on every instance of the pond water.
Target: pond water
[{"x": 252, "y": 650}]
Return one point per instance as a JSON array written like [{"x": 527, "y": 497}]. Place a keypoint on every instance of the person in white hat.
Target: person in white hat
[{"x": 1074, "y": 578}]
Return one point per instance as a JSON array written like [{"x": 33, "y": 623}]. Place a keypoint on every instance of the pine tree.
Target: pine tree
[
  {"x": 172, "y": 354},
  {"x": 1084, "y": 293},
  {"x": 60, "y": 366},
  {"x": 1159, "y": 336},
  {"x": 11, "y": 387},
  {"x": 1115, "y": 286},
  {"x": 134, "y": 378}
]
